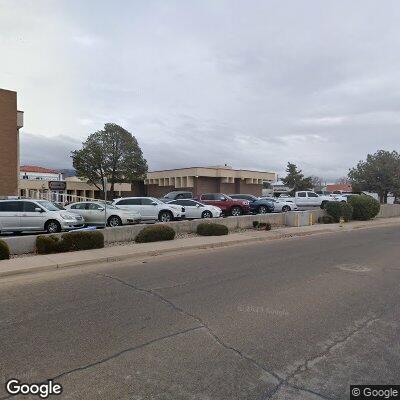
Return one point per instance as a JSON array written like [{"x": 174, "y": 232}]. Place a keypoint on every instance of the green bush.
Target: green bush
[
  {"x": 4, "y": 250},
  {"x": 155, "y": 233},
  {"x": 262, "y": 225},
  {"x": 47, "y": 244},
  {"x": 326, "y": 219},
  {"x": 338, "y": 210},
  {"x": 364, "y": 207},
  {"x": 212, "y": 229},
  {"x": 70, "y": 241},
  {"x": 82, "y": 240}
]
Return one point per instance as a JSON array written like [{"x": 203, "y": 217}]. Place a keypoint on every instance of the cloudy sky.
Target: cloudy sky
[{"x": 253, "y": 84}]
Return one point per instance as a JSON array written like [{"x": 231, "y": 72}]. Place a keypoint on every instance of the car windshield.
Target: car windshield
[
  {"x": 48, "y": 205},
  {"x": 156, "y": 200},
  {"x": 109, "y": 205}
]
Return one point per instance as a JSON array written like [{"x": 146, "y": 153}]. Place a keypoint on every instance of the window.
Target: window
[
  {"x": 79, "y": 206},
  {"x": 301, "y": 194},
  {"x": 184, "y": 203},
  {"x": 208, "y": 196},
  {"x": 312, "y": 194},
  {"x": 48, "y": 205},
  {"x": 220, "y": 197},
  {"x": 186, "y": 195},
  {"x": 28, "y": 206},
  {"x": 11, "y": 206},
  {"x": 129, "y": 202},
  {"x": 94, "y": 206},
  {"x": 147, "y": 202}
]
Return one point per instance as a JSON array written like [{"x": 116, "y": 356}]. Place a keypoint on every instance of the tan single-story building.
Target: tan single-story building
[
  {"x": 76, "y": 189},
  {"x": 214, "y": 179}
]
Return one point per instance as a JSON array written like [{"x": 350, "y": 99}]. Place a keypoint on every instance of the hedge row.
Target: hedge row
[
  {"x": 4, "y": 250},
  {"x": 211, "y": 229},
  {"x": 155, "y": 233},
  {"x": 364, "y": 207},
  {"x": 338, "y": 210},
  {"x": 360, "y": 208},
  {"x": 70, "y": 241}
]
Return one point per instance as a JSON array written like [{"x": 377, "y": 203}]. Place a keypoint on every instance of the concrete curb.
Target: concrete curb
[{"x": 43, "y": 263}]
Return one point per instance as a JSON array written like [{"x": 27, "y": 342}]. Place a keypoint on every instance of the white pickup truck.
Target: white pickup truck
[{"x": 307, "y": 198}]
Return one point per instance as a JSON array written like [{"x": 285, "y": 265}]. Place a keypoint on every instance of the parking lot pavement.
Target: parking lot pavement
[{"x": 296, "y": 319}]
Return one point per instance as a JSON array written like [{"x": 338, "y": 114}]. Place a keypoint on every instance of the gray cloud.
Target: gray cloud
[{"x": 203, "y": 82}]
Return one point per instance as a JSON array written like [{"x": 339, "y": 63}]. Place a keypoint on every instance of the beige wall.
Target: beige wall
[
  {"x": 74, "y": 187},
  {"x": 9, "y": 151}
]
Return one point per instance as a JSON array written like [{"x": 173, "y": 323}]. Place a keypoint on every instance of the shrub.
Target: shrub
[
  {"x": 326, "y": 219},
  {"x": 212, "y": 229},
  {"x": 262, "y": 225},
  {"x": 82, "y": 240},
  {"x": 4, "y": 250},
  {"x": 47, "y": 244},
  {"x": 338, "y": 210},
  {"x": 347, "y": 211},
  {"x": 155, "y": 233},
  {"x": 70, "y": 241},
  {"x": 364, "y": 207}
]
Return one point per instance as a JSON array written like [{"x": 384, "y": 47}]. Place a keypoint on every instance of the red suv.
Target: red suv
[{"x": 225, "y": 203}]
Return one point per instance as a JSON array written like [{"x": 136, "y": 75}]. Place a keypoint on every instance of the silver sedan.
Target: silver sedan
[{"x": 93, "y": 213}]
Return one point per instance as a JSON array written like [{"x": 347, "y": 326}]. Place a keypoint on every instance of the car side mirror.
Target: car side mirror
[
  {"x": 101, "y": 209},
  {"x": 198, "y": 205},
  {"x": 38, "y": 209}
]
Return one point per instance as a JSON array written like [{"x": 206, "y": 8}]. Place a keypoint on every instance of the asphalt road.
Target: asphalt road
[{"x": 291, "y": 319}]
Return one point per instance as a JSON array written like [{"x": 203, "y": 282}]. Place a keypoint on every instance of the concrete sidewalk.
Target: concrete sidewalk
[{"x": 123, "y": 252}]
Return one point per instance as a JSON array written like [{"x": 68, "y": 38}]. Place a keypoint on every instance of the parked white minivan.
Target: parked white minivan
[
  {"x": 36, "y": 215},
  {"x": 151, "y": 208}
]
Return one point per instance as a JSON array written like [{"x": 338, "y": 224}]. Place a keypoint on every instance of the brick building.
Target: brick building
[
  {"x": 219, "y": 179},
  {"x": 11, "y": 120}
]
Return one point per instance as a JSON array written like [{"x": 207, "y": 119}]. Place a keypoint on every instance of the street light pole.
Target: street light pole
[{"x": 105, "y": 203}]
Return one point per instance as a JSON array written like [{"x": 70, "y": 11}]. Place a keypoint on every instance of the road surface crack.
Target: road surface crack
[
  {"x": 280, "y": 381},
  {"x": 305, "y": 366},
  {"x": 202, "y": 323},
  {"x": 116, "y": 355}
]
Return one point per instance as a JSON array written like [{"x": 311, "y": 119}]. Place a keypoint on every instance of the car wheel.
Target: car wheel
[
  {"x": 206, "y": 214},
  {"x": 113, "y": 221},
  {"x": 286, "y": 208},
  {"x": 236, "y": 211},
  {"x": 52, "y": 226},
  {"x": 165, "y": 216},
  {"x": 262, "y": 210}
]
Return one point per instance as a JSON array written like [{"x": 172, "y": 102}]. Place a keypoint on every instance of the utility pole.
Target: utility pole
[{"x": 105, "y": 201}]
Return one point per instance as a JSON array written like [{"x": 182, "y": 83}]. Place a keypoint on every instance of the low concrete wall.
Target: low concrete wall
[
  {"x": 389, "y": 211},
  {"x": 26, "y": 244}
]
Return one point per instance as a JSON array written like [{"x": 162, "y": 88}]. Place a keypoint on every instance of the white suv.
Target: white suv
[
  {"x": 151, "y": 208},
  {"x": 36, "y": 215}
]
